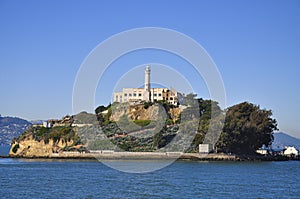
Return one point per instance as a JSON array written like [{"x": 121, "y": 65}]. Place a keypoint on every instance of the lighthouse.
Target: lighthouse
[
  {"x": 147, "y": 79},
  {"x": 147, "y": 84},
  {"x": 146, "y": 93}
]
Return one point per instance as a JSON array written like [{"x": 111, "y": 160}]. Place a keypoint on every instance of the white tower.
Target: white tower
[
  {"x": 147, "y": 84},
  {"x": 147, "y": 79}
]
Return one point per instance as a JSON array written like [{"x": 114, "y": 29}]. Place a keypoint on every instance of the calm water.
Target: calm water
[
  {"x": 85, "y": 179},
  {"x": 4, "y": 150}
]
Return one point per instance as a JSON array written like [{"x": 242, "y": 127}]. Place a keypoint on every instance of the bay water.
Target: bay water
[{"x": 39, "y": 178}]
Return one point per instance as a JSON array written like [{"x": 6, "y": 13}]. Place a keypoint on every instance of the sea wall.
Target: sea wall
[{"x": 111, "y": 155}]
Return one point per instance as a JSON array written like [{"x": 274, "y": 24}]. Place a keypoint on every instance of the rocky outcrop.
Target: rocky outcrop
[
  {"x": 140, "y": 112},
  {"x": 30, "y": 147},
  {"x": 174, "y": 114}
]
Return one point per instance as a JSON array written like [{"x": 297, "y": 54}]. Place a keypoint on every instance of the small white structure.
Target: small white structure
[
  {"x": 205, "y": 148},
  {"x": 47, "y": 124},
  {"x": 290, "y": 151},
  {"x": 262, "y": 151}
]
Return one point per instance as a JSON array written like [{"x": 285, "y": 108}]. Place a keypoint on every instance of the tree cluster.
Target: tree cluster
[{"x": 246, "y": 127}]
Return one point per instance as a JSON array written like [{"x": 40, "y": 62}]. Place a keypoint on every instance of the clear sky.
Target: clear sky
[{"x": 255, "y": 45}]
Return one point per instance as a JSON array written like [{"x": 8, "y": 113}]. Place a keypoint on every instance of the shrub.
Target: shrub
[
  {"x": 142, "y": 122},
  {"x": 169, "y": 121},
  {"x": 147, "y": 105}
]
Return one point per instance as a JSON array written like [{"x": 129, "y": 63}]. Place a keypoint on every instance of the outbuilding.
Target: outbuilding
[
  {"x": 205, "y": 148},
  {"x": 290, "y": 151}
]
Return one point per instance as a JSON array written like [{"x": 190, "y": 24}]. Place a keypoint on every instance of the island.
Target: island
[{"x": 141, "y": 131}]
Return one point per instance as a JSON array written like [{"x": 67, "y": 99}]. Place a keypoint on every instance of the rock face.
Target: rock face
[
  {"x": 40, "y": 141},
  {"x": 174, "y": 114},
  {"x": 140, "y": 112},
  {"x": 30, "y": 147}
]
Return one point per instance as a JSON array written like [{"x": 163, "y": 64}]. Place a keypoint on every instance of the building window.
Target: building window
[
  {"x": 155, "y": 94},
  {"x": 125, "y": 94},
  {"x": 130, "y": 95},
  {"x": 134, "y": 94},
  {"x": 159, "y": 94},
  {"x": 140, "y": 94},
  {"x": 171, "y": 98}
]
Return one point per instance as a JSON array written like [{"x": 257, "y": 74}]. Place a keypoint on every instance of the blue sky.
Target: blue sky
[{"x": 255, "y": 45}]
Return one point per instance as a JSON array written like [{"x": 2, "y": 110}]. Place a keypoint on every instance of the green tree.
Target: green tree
[
  {"x": 247, "y": 127},
  {"x": 189, "y": 100},
  {"x": 100, "y": 109}
]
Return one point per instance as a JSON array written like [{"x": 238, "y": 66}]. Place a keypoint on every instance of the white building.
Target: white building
[
  {"x": 262, "y": 151},
  {"x": 47, "y": 124},
  {"x": 147, "y": 93},
  {"x": 290, "y": 151},
  {"x": 205, "y": 148}
]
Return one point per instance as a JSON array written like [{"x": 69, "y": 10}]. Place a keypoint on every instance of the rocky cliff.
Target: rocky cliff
[
  {"x": 29, "y": 147},
  {"x": 40, "y": 141},
  {"x": 145, "y": 112}
]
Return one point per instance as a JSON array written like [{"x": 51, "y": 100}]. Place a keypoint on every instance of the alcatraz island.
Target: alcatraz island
[{"x": 155, "y": 123}]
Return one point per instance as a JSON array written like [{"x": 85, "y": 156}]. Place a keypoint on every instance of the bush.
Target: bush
[
  {"x": 142, "y": 122},
  {"x": 147, "y": 105},
  {"x": 42, "y": 131},
  {"x": 169, "y": 121}
]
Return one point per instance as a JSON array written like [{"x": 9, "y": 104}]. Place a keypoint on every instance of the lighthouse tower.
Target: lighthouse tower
[{"x": 147, "y": 84}]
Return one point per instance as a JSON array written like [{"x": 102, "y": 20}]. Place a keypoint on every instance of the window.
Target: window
[
  {"x": 159, "y": 94},
  {"x": 155, "y": 94},
  {"x": 171, "y": 98},
  {"x": 125, "y": 94},
  {"x": 130, "y": 94},
  {"x": 140, "y": 94},
  {"x": 134, "y": 94}
]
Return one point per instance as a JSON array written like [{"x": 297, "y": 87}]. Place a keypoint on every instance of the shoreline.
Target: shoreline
[{"x": 157, "y": 156}]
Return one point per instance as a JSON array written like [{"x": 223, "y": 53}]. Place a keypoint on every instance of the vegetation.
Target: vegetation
[
  {"x": 85, "y": 118},
  {"x": 64, "y": 133},
  {"x": 104, "y": 119},
  {"x": 247, "y": 127},
  {"x": 101, "y": 145},
  {"x": 147, "y": 105},
  {"x": 142, "y": 122}
]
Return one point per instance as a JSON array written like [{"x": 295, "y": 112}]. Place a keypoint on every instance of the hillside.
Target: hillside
[
  {"x": 82, "y": 133},
  {"x": 146, "y": 127},
  {"x": 11, "y": 127},
  {"x": 282, "y": 139}
]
